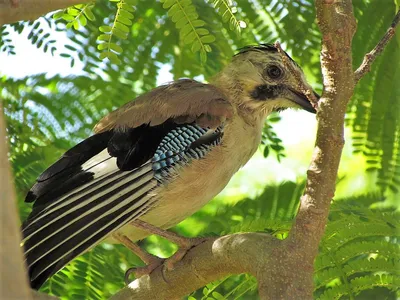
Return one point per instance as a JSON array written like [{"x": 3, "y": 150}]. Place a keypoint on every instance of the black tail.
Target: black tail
[{"x": 78, "y": 201}]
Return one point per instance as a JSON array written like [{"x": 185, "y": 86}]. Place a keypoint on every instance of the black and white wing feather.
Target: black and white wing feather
[{"x": 102, "y": 184}]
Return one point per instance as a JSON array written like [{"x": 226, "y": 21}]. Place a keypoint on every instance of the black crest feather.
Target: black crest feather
[{"x": 262, "y": 47}]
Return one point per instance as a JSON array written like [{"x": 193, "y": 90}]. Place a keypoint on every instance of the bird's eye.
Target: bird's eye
[{"x": 274, "y": 72}]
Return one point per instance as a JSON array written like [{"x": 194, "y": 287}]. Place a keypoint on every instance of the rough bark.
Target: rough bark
[
  {"x": 13, "y": 281},
  {"x": 214, "y": 259},
  {"x": 17, "y": 10},
  {"x": 337, "y": 25}
]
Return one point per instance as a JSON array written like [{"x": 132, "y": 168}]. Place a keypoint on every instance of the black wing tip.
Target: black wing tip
[
  {"x": 30, "y": 197},
  {"x": 37, "y": 284}
]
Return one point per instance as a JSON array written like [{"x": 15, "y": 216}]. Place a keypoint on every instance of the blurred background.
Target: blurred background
[{"x": 61, "y": 73}]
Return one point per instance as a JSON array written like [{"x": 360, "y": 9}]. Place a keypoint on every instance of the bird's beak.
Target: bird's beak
[{"x": 302, "y": 100}]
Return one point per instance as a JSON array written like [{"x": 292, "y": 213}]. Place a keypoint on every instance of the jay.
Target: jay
[{"x": 155, "y": 161}]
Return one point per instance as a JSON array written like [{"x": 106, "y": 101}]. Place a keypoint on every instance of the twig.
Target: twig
[
  {"x": 16, "y": 10},
  {"x": 306, "y": 90},
  {"x": 370, "y": 57}
]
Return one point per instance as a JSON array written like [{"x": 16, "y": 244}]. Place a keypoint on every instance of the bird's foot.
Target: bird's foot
[
  {"x": 185, "y": 244},
  {"x": 181, "y": 241},
  {"x": 152, "y": 264},
  {"x": 151, "y": 261}
]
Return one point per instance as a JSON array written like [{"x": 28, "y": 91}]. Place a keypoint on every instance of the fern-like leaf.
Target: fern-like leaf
[
  {"x": 226, "y": 9},
  {"x": 76, "y": 15},
  {"x": 119, "y": 29},
  {"x": 183, "y": 13}
]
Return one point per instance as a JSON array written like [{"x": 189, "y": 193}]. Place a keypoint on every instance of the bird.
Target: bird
[{"x": 156, "y": 160}]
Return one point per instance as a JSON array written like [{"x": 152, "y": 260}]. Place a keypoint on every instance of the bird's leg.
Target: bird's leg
[
  {"x": 151, "y": 261},
  {"x": 184, "y": 243}
]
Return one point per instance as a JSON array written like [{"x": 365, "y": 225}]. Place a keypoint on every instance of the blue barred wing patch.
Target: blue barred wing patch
[{"x": 183, "y": 144}]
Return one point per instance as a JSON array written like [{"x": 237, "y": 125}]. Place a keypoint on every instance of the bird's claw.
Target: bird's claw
[
  {"x": 185, "y": 245},
  {"x": 141, "y": 271},
  {"x": 168, "y": 263}
]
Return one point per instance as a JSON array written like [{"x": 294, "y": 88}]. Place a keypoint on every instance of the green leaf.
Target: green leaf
[
  {"x": 125, "y": 21},
  {"x": 69, "y": 47},
  {"x": 266, "y": 151},
  {"x": 119, "y": 33},
  {"x": 127, "y": 7},
  {"x": 104, "y": 37},
  {"x": 203, "y": 56},
  {"x": 72, "y": 11},
  {"x": 121, "y": 27},
  {"x": 75, "y": 24},
  {"x": 174, "y": 9},
  {"x": 196, "y": 46},
  {"x": 105, "y": 28},
  {"x": 218, "y": 296},
  {"x": 82, "y": 20},
  {"x": 198, "y": 23},
  {"x": 202, "y": 31},
  {"x": 178, "y": 15},
  {"x": 207, "y": 39},
  {"x": 116, "y": 48},
  {"x": 181, "y": 22},
  {"x": 185, "y": 30},
  {"x": 67, "y": 17},
  {"x": 190, "y": 37},
  {"x": 103, "y": 55},
  {"x": 167, "y": 3},
  {"x": 125, "y": 14},
  {"x": 102, "y": 46},
  {"x": 58, "y": 15},
  {"x": 89, "y": 14}
]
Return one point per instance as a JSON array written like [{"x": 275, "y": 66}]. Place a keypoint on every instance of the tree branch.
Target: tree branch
[
  {"x": 337, "y": 25},
  {"x": 14, "y": 282},
  {"x": 370, "y": 57},
  {"x": 17, "y": 10},
  {"x": 209, "y": 261}
]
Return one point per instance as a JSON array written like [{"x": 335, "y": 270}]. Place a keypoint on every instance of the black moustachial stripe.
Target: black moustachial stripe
[
  {"x": 264, "y": 92},
  {"x": 102, "y": 184}
]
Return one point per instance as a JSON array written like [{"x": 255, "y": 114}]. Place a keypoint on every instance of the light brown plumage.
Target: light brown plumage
[{"x": 185, "y": 101}]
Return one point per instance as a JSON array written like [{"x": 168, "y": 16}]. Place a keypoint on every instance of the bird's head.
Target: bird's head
[{"x": 260, "y": 80}]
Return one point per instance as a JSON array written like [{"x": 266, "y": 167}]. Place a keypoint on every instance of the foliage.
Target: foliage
[
  {"x": 375, "y": 108},
  {"x": 270, "y": 139},
  {"x": 76, "y": 15},
  {"x": 359, "y": 251},
  {"x": 359, "y": 255},
  {"x": 183, "y": 13}
]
